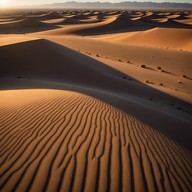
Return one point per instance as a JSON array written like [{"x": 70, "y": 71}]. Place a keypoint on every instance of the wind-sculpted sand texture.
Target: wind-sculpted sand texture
[
  {"x": 95, "y": 100},
  {"x": 74, "y": 142}
]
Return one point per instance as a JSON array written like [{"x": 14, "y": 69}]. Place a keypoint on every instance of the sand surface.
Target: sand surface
[{"x": 95, "y": 101}]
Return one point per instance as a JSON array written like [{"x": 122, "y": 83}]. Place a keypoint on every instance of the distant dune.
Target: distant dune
[
  {"x": 24, "y": 26},
  {"x": 162, "y": 37},
  {"x": 95, "y": 100}
]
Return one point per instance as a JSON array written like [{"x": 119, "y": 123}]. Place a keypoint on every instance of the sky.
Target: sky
[{"x": 38, "y": 2}]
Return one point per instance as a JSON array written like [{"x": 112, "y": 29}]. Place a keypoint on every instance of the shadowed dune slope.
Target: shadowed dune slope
[
  {"x": 30, "y": 59},
  {"x": 65, "y": 141},
  {"x": 185, "y": 21},
  {"x": 114, "y": 22},
  {"x": 65, "y": 65},
  {"x": 177, "y": 62},
  {"x": 78, "y": 26},
  {"x": 49, "y": 62},
  {"x": 126, "y": 23},
  {"x": 25, "y": 26},
  {"x": 46, "y": 16}
]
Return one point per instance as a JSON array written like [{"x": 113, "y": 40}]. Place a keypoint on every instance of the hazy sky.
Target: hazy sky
[{"x": 36, "y": 2}]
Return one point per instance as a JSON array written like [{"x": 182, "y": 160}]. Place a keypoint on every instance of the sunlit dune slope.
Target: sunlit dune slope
[
  {"x": 64, "y": 141},
  {"x": 157, "y": 37}
]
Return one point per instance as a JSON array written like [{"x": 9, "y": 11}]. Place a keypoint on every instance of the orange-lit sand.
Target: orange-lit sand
[{"x": 95, "y": 101}]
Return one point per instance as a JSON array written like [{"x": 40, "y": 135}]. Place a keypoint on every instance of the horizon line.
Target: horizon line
[{"x": 88, "y": 2}]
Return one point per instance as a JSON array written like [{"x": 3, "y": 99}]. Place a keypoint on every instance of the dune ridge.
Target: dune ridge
[
  {"x": 161, "y": 37},
  {"x": 24, "y": 26}
]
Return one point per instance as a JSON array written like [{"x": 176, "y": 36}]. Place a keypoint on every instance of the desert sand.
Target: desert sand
[{"x": 95, "y": 100}]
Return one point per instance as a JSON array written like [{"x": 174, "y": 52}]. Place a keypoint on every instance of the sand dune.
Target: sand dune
[
  {"x": 46, "y": 16},
  {"x": 95, "y": 100},
  {"x": 74, "y": 142},
  {"x": 59, "y": 62},
  {"x": 62, "y": 66},
  {"x": 78, "y": 20},
  {"x": 78, "y": 27},
  {"x": 15, "y": 39},
  {"x": 151, "y": 56},
  {"x": 125, "y": 22},
  {"x": 54, "y": 21},
  {"x": 23, "y": 26},
  {"x": 157, "y": 37},
  {"x": 185, "y": 21}
]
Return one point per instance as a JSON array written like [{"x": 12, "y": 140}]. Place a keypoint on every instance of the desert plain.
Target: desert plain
[{"x": 95, "y": 100}]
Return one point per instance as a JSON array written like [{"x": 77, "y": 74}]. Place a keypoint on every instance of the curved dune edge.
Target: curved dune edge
[
  {"x": 72, "y": 29},
  {"x": 66, "y": 141},
  {"x": 14, "y": 39},
  {"x": 26, "y": 25},
  {"x": 157, "y": 37},
  {"x": 185, "y": 21}
]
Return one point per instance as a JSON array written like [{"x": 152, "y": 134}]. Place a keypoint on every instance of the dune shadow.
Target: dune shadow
[
  {"x": 127, "y": 23},
  {"x": 128, "y": 27},
  {"x": 66, "y": 69},
  {"x": 25, "y": 26},
  {"x": 73, "y": 21}
]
